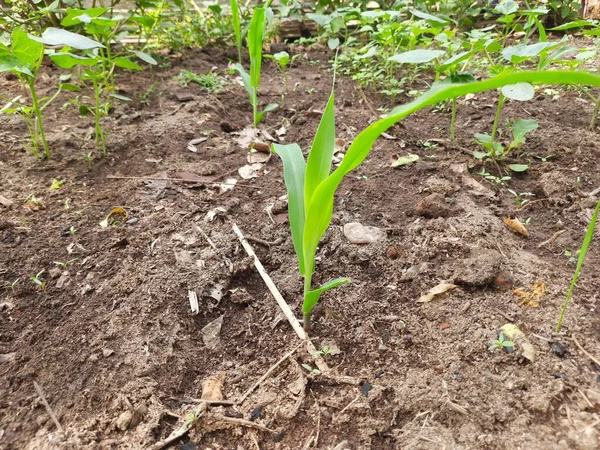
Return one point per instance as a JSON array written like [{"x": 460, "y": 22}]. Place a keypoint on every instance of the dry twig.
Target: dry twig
[
  {"x": 47, "y": 406},
  {"x": 552, "y": 239},
  {"x": 585, "y": 352}
]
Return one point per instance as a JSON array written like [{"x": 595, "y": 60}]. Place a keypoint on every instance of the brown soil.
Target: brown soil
[{"x": 114, "y": 332}]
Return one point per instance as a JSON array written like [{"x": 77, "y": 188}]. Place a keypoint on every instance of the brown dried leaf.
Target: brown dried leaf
[
  {"x": 212, "y": 388},
  {"x": 532, "y": 296},
  {"x": 516, "y": 225},
  {"x": 436, "y": 290}
]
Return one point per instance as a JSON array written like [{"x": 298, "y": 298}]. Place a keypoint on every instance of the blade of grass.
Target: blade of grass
[{"x": 582, "y": 253}]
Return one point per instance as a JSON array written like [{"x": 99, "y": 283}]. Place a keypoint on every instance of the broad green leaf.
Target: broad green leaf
[
  {"x": 66, "y": 60},
  {"x": 320, "y": 19},
  {"x": 25, "y": 49},
  {"x": 405, "y": 160},
  {"x": 126, "y": 63},
  {"x": 77, "y": 16},
  {"x": 282, "y": 58},
  {"x": 319, "y": 213},
  {"x": 523, "y": 51},
  {"x": 312, "y": 297},
  {"x": 458, "y": 58},
  {"x": 575, "y": 24},
  {"x": 507, "y": 7},
  {"x": 520, "y": 129},
  {"x": 520, "y": 91},
  {"x": 145, "y": 57},
  {"x": 428, "y": 17},
  {"x": 518, "y": 167},
  {"x": 255, "y": 42},
  {"x": 69, "y": 87},
  {"x": 55, "y": 36},
  {"x": 10, "y": 63},
  {"x": 416, "y": 56},
  {"x": 333, "y": 43},
  {"x": 319, "y": 160},
  {"x": 294, "y": 168}
]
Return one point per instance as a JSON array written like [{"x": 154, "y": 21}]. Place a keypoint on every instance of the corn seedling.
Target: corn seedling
[
  {"x": 38, "y": 281},
  {"x": 311, "y": 187},
  {"x": 252, "y": 81},
  {"x": 582, "y": 254}
]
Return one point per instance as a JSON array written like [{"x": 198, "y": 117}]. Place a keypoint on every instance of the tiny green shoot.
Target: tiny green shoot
[{"x": 38, "y": 281}]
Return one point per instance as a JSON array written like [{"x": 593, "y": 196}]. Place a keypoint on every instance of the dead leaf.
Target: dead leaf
[
  {"x": 512, "y": 332},
  {"x": 154, "y": 161},
  {"x": 437, "y": 290},
  {"x": 516, "y": 225},
  {"x": 268, "y": 136},
  {"x": 255, "y": 156},
  {"x": 227, "y": 185},
  {"x": 211, "y": 333},
  {"x": 249, "y": 171},
  {"x": 116, "y": 215},
  {"x": 281, "y": 131},
  {"x": 532, "y": 296},
  {"x": 219, "y": 211},
  {"x": 212, "y": 388},
  {"x": 261, "y": 147},
  {"x": 245, "y": 137},
  {"x": 5, "y": 202}
]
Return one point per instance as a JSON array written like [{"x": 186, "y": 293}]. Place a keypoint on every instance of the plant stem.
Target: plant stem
[
  {"x": 501, "y": 99},
  {"x": 38, "y": 118},
  {"x": 255, "y": 107},
  {"x": 99, "y": 134},
  {"x": 307, "y": 315},
  {"x": 453, "y": 121}
]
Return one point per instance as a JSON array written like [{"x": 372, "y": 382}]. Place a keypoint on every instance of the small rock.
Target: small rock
[
  {"x": 440, "y": 185},
  {"x": 132, "y": 221},
  {"x": 64, "y": 278},
  {"x": 183, "y": 96},
  {"x": 107, "y": 352},
  {"x": 123, "y": 421},
  {"x": 366, "y": 388},
  {"x": 357, "y": 233},
  {"x": 432, "y": 206},
  {"x": 413, "y": 272},
  {"x": 393, "y": 252},
  {"x": 7, "y": 203},
  {"x": 379, "y": 373},
  {"x": 559, "y": 349},
  {"x": 256, "y": 413},
  {"x": 93, "y": 358},
  {"x": 240, "y": 296}
]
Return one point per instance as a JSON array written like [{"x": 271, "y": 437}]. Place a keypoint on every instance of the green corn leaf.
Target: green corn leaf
[
  {"x": 320, "y": 157},
  {"x": 294, "y": 169},
  {"x": 320, "y": 209},
  {"x": 312, "y": 297},
  {"x": 255, "y": 42},
  {"x": 246, "y": 81},
  {"x": 237, "y": 28}
]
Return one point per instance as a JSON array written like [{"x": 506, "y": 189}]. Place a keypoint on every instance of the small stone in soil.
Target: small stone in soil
[
  {"x": 107, "y": 352},
  {"x": 379, "y": 373},
  {"x": 183, "y": 97},
  {"x": 256, "y": 412},
  {"x": 132, "y": 221},
  {"x": 366, "y": 388},
  {"x": 559, "y": 349}
]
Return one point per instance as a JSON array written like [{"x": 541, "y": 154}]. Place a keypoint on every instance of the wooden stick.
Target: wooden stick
[
  {"x": 285, "y": 308},
  {"x": 585, "y": 351},
  {"x": 267, "y": 373},
  {"x": 47, "y": 406}
]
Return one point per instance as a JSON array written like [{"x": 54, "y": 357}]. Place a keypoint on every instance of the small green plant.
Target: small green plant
[
  {"x": 210, "y": 82},
  {"x": 494, "y": 178},
  {"x": 65, "y": 265},
  {"x": 88, "y": 157},
  {"x": 502, "y": 343},
  {"x": 283, "y": 60},
  {"x": 7, "y": 286},
  {"x": 582, "y": 254},
  {"x": 311, "y": 187},
  {"x": 24, "y": 58},
  {"x": 520, "y": 198},
  {"x": 38, "y": 281},
  {"x": 252, "y": 81}
]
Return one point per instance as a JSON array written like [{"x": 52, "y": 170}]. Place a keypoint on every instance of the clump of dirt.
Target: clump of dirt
[{"x": 120, "y": 357}]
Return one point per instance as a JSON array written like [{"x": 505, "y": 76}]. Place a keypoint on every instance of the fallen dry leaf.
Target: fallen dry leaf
[
  {"x": 532, "y": 296},
  {"x": 516, "y": 225},
  {"x": 116, "y": 214},
  {"x": 436, "y": 290},
  {"x": 249, "y": 171},
  {"x": 255, "y": 156},
  {"x": 212, "y": 388},
  {"x": 514, "y": 333}
]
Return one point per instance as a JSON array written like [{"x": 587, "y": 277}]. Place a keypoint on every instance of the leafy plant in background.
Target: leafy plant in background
[
  {"x": 252, "y": 81},
  {"x": 582, "y": 254},
  {"x": 24, "y": 58},
  {"x": 311, "y": 188},
  {"x": 210, "y": 82}
]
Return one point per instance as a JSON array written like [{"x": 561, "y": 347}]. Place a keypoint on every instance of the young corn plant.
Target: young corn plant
[
  {"x": 252, "y": 81},
  {"x": 311, "y": 187},
  {"x": 237, "y": 27}
]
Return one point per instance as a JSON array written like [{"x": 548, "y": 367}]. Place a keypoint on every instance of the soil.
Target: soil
[{"x": 119, "y": 356}]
